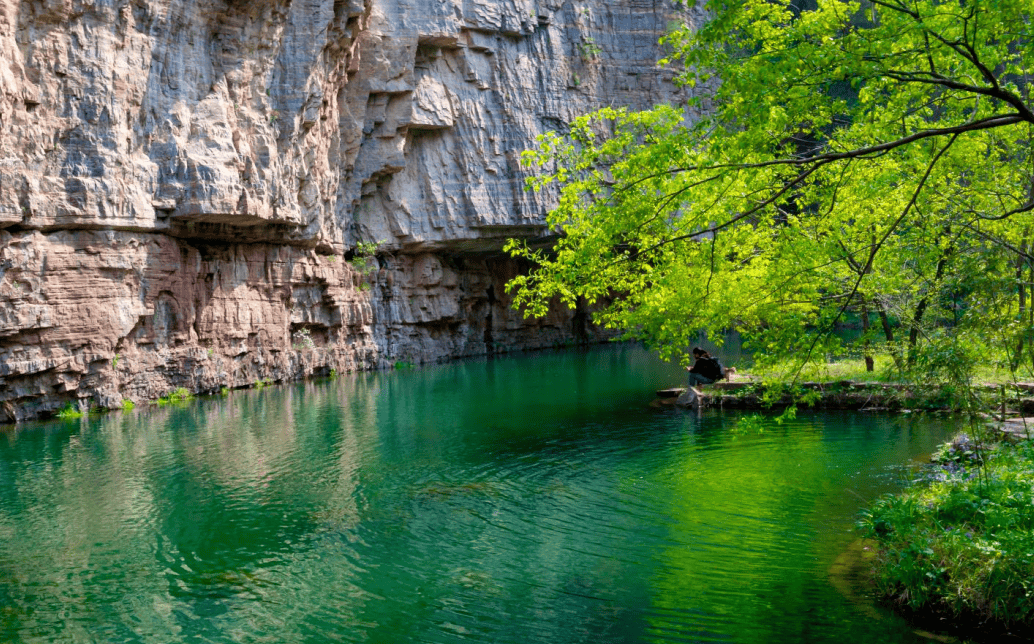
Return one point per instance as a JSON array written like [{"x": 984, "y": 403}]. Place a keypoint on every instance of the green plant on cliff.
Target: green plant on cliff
[
  {"x": 364, "y": 257},
  {"x": 70, "y": 411},
  {"x": 589, "y": 50},
  {"x": 178, "y": 395},
  {"x": 867, "y": 159},
  {"x": 364, "y": 261},
  {"x": 302, "y": 340}
]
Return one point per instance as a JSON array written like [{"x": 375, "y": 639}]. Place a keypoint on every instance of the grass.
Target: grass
[
  {"x": 884, "y": 370},
  {"x": 960, "y": 541},
  {"x": 979, "y": 386}
]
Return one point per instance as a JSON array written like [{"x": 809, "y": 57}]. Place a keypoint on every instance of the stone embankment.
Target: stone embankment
[
  {"x": 184, "y": 183},
  {"x": 854, "y": 395}
]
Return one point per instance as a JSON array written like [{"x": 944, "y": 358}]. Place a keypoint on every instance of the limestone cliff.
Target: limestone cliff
[{"x": 183, "y": 182}]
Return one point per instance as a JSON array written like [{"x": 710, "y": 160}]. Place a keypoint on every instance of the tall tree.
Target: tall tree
[{"x": 855, "y": 158}]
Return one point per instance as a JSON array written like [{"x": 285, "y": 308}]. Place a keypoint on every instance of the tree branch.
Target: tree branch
[{"x": 879, "y": 244}]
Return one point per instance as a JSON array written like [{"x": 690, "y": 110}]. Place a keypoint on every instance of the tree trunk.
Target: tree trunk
[
  {"x": 869, "y": 362},
  {"x": 917, "y": 319},
  {"x": 1021, "y": 288}
]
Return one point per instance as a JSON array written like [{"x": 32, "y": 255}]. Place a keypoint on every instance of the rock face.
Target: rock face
[{"x": 184, "y": 183}]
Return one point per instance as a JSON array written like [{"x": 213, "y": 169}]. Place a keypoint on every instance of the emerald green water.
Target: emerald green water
[{"x": 527, "y": 499}]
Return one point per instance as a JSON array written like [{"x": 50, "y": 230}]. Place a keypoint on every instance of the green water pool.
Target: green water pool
[{"x": 529, "y": 499}]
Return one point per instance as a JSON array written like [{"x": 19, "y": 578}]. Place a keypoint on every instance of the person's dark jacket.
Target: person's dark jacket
[{"x": 708, "y": 367}]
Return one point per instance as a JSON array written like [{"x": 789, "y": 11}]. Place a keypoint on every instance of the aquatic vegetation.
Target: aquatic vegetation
[{"x": 961, "y": 541}]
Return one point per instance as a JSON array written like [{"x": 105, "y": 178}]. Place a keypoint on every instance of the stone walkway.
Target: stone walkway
[{"x": 1020, "y": 428}]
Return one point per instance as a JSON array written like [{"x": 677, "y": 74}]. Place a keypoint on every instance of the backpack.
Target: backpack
[
  {"x": 720, "y": 367},
  {"x": 714, "y": 370}
]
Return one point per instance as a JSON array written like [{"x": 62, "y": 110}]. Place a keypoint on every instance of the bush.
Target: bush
[
  {"x": 364, "y": 257},
  {"x": 961, "y": 541}
]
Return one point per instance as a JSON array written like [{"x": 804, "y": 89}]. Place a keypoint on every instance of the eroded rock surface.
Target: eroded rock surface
[{"x": 183, "y": 182}]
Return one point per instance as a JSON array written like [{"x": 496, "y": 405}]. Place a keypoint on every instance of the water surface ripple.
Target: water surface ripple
[{"x": 530, "y": 499}]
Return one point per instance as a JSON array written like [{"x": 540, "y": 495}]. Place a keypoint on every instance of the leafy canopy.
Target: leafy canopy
[{"x": 862, "y": 160}]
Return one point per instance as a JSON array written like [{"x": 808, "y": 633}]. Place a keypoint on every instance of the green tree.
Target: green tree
[{"x": 868, "y": 159}]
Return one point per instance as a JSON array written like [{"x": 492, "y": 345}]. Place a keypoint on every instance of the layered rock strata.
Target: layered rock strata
[{"x": 184, "y": 183}]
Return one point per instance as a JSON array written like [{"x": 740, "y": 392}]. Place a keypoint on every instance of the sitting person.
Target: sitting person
[{"x": 706, "y": 370}]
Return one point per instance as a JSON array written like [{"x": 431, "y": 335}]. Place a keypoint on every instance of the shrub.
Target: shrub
[
  {"x": 363, "y": 258},
  {"x": 961, "y": 541}
]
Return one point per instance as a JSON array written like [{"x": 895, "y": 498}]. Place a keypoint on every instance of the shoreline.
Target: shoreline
[
  {"x": 1017, "y": 399},
  {"x": 927, "y": 542}
]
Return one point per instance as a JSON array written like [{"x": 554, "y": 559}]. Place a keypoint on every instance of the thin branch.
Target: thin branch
[
  {"x": 988, "y": 123},
  {"x": 998, "y": 241},
  {"x": 942, "y": 81},
  {"x": 659, "y": 209},
  {"x": 879, "y": 244},
  {"x": 1027, "y": 207},
  {"x": 743, "y": 215}
]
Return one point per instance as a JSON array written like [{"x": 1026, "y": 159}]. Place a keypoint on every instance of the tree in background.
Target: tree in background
[{"x": 865, "y": 161}]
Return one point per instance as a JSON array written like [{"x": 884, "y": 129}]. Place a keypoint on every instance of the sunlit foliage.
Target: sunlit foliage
[{"x": 858, "y": 161}]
